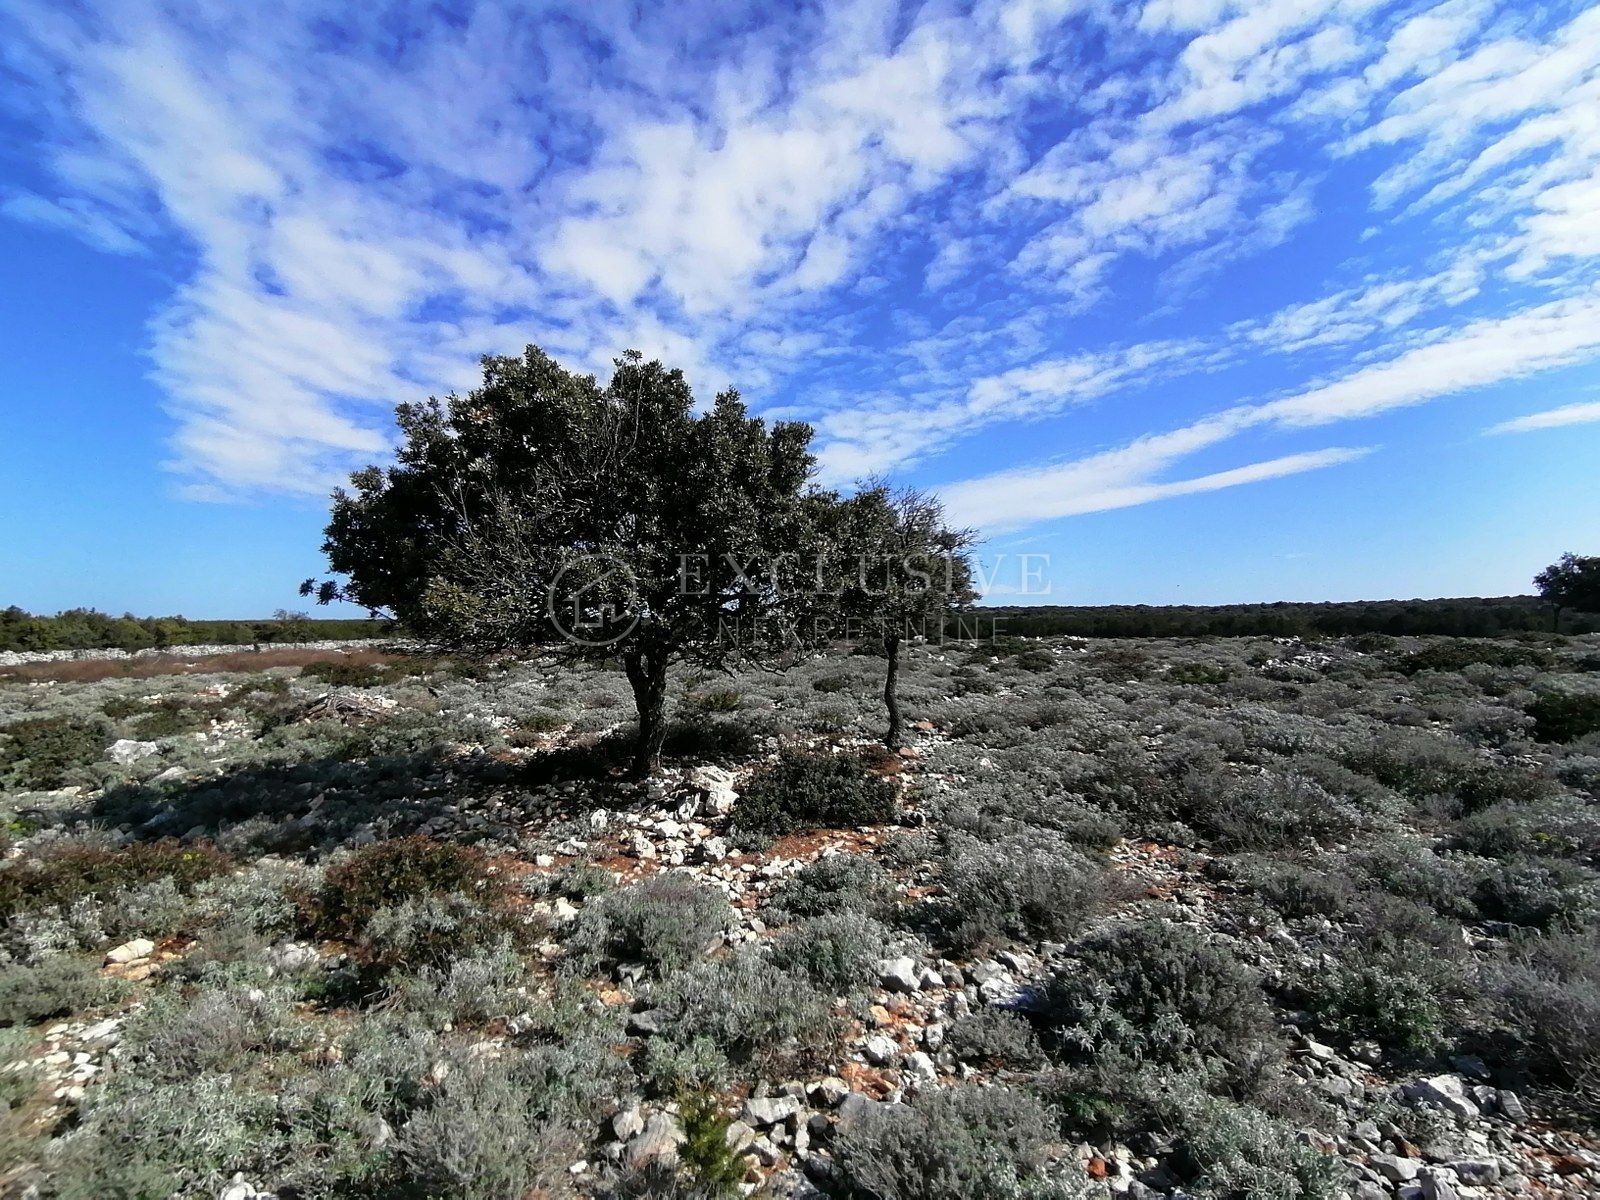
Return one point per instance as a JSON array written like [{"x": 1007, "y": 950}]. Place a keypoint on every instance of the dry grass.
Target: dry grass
[{"x": 178, "y": 663}]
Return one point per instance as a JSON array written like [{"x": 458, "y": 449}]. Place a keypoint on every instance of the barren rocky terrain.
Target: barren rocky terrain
[{"x": 1224, "y": 918}]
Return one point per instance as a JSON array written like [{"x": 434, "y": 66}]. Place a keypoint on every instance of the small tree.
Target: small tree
[
  {"x": 542, "y": 510},
  {"x": 906, "y": 573},
  {"x": 1570, "y": 582},
  {"x": 291, "y": 626}
]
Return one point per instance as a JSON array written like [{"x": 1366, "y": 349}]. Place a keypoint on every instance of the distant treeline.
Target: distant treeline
[
  {"x": 87, "y": 629},
  {"x": 1467, "y": 616}
]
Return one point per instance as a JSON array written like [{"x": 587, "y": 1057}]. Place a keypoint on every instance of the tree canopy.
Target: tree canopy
[
  {"x": 544, "y": 509},
  {"x": 1571, "y": 582},
  {"x": 910, "y": 572}
]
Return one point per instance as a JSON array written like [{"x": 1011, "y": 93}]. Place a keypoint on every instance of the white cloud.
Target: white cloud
[
  {"x": 358, "y": 217},
  {"x": 76, "y": 217},
  {"x": 1114, "y": 479},
  {"x": 1482, "y": 353},
  {"x": 1554, "y": 418}
]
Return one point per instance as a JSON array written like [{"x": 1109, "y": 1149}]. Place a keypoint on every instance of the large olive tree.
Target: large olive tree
[{"x": 544, "y": 510}]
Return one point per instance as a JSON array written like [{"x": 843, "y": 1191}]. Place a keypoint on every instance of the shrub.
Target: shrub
[
  {"x": 963, "y": 1143},
  {"x": 833, "y": 884},
  {"x": 837, "y": 952},
  {"x": 1267, "y": 811},
  {"x": 575, "y": 881},
  {"x": 220, "y": 1030},
  {"x": 1120, "y": 663},
  {"x": 1158, "y": 993},
  {"x": 1198, "y": 674},
  {"x": 830, "y": 684},
  {"x": 1236, "y": 1150},
  {"x": 1556, "y": 828},
  {"x": 388, "y": 873},
  {"x": 1540, "y": 894},
  {"x": 1457, "y": 654},
  {"x": 42, "y": 752},
  {"x": 431, "y": 931},
  {"x": 705, "y": 1155},
  {"x": 1293, "y": 889},
  {"x": 703, "y": 738},
  {"x": 739, "y": 1017},
  {"x": 1548, "y": 997},
  {"x": 1396, "y": 976},
  {"x": 529, "y": 730},
  {"x": 1422, "y": 766},
  {"x": 1412, "y": 870},
  {"x": 1034, "y": 660},
  {"x": 172, "y": 716},
  {"x": 57, "y": 987},
  {"x": 197, "y": 1129},
  {"x": 714, "y": 700},
  {"x": 1021, "y": 886},
  {"x": 1565, "y": 716},
  {"x": 341, "y": 672},
  {"x": 995, "y": 1039},
  {"x": 487, "y": 1135},
  {"x": 70, "y": 873},
  {"x": 810, "y": 791},
  {"x": 665, "y": 922}
]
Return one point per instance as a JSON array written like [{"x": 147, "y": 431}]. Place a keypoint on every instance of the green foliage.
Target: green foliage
[
  {"x": 541, "y": 505},
  {"x": 810, "y": 791},
  {"x": 950, "y": 1144},
  {"x": 1548, "y": 999},
  {"x": 1565, "y": 716},
  {"x": 1571, "y": 582},
  {"x": 705, "y": 1155},
  {"x": 387, "y": 873},
  {"x": 1459, "y": 654},
  {"x": 346, "y": 673},
  {"x": 832, "y": 884},
  {"x": 1237, "y": 1150},
  {"x": 57, "y": 987},
  {"x": 411, "y": 901},
  {"x": 838, "y": 952},
  {"x": 1424, "y": 766},
  {"x": 666, "y": 922},
  {"x": 1466, "y": 616},
  {"x": 1199, "y": 674},
  {"x": 1540, "y": 893},
  {"x": 713, "y": 700},
  {"x": 1019, "y": 886},
  {"x": 705, "y": 739},
  {"x": 87, "y": 629},
  {"x": 495, "y": 1130},
  {"x": 215, "y": 1031},
  {"x": 61, "y": 876},
  {"x": 737, "y": 1018},
  {"x": 39, "y": 753},
  {"x": 1396, "y": 977},
  {"x": 1267, "y": 811},
  {"x": 1158, "y": 993},
  {"x": 995, "y": 1039}
]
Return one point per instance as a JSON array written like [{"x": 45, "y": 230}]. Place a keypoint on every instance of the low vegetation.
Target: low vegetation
[{"x": 1255, "y": 917}]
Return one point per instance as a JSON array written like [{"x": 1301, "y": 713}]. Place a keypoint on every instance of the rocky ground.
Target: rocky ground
[{"x": 1237, "y": 918}]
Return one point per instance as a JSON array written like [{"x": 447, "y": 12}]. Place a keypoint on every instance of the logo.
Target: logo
[{"x": 594, "y": 600}]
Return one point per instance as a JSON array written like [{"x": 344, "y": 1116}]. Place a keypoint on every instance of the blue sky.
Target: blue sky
[{"x": 1205, "y": 300}]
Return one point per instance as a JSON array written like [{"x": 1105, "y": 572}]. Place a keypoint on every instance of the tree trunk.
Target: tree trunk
[
  {"x": 891, "y": 692},
  {"x": 647, "y": 674},
  {"x": 1555, "y": 618}
]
